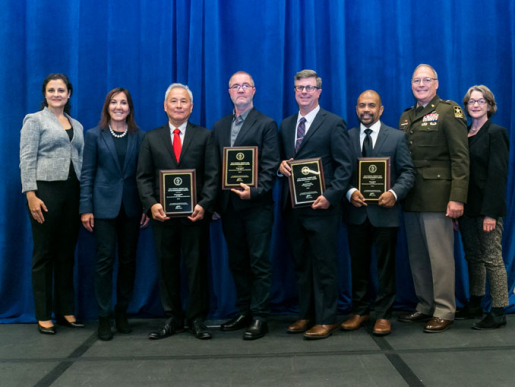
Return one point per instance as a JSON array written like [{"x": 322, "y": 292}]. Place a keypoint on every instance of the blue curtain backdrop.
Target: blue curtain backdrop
[{"x": 146, "y": 45}]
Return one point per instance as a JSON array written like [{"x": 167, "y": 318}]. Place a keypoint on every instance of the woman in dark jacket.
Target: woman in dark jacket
[
  {"x": 51, "y": 146},
  {"x": 110, "y": 205},
  {"x": 482, "y": 225}
]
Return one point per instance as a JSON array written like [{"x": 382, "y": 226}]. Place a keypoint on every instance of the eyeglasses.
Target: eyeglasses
[
  {"x": 417, "y": 81},
  {"x": 245, "y": 87},
  {"x": 309, "y": 89},
  {"x": 472, "y": 102}
]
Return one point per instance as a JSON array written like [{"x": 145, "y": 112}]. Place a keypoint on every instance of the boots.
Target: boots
[
  {"x": 120, "y": 318},
  {"x": 493, "y": 320},
  {"x": 104, "y": 329},
  {"x": 471, "y": 310}
]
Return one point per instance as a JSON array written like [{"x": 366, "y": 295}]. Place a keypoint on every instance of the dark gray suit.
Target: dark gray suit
[{"x": 373, "y": 224}]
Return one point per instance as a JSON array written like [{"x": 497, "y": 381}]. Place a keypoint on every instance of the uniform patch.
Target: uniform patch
[
  {"x": 405, "y": 123},
  {"x": 458, "y": 113},
  {"x": 431, "y": 117}
]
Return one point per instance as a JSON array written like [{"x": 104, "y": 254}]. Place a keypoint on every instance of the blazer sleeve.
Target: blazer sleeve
[
  {"x": 29, "y": 143},
  {"x": 89, "y": 171},
  {"x": 268, "y": 163},
  {"x": 211, "y": 175},
  {"x": 494, "y": 198},
  {"x": 404, "y": 169},
  {"x": 341, "y": 154},
  {"x": 145, "y": 175}
]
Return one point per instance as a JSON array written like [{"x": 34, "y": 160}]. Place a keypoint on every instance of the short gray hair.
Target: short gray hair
[
  {"x": 178, "y": 86},
  {"x": 428, "y": 66},
  {"x": 309, "y": 74}
]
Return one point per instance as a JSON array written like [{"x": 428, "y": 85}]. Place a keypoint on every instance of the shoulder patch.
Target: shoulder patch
[{"x": 458, "y": 113}]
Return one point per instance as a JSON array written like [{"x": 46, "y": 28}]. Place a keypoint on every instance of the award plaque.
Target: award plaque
[
  {"x": 177, "y": 188},
  {"x": 306, "y": 181},
  {"x": 240, "y": 165},
  {"x": 373, "y": 177}
]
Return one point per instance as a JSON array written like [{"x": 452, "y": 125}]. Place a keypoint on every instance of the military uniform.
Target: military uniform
[{"x": 437, "y": 139}]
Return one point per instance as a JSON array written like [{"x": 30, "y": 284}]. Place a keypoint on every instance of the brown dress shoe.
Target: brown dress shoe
[
  {"x": 414, "y": 317},
  {"x": 382, "y": 327},
  {"x": 299, "y": 326},
  {"x": 354, "y": 322},
  {"x": 437, "y": 325},
  {"x": 320, "y": 331}
]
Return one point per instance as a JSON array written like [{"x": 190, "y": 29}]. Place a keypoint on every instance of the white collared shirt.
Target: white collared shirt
[
  {"x": 310, "y": 117},
  {"x": 375, "y": 132},
  {"x": 182, "y": 128}
]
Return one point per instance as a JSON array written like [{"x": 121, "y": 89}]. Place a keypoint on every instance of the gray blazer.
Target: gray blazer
[{"x": 46, "y": 150}]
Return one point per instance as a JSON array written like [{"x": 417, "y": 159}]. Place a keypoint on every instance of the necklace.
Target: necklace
[{"x": 118, "y": 135}]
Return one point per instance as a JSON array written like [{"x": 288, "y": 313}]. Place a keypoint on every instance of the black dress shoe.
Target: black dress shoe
[
  {"x": 170, "y": 328},
  {"x": 121, "y": 322},
  {"x": 199, "y": 330},
  {"x": 61, "y": 320},
  {"x": 490, "y": 321},
  {"x": 469, "y": 312},
  {"x": 236, "y": 323},
  {"x": 46, "y": 331},
  {"x": 256, "y": 330},
  {"x": 104, "y": 332},
  {"x": 414, "y": 317}
]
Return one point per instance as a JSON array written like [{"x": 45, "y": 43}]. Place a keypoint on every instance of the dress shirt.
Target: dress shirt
[
  {"x": 182, "y": 128},
  {"x": 310, "y": 117},
  {"x": 236, "y": 128}
]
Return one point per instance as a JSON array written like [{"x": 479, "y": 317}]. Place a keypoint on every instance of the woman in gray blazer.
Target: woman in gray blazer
[
  {"x": 110, "y": 206},
  {"x": 482, "y": 225},
  {"x": 51, "y": 147}
]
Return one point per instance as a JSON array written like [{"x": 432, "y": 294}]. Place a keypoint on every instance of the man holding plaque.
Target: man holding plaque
[
  {"x": 437, "y": 137},
  {"x": 174, "y": 147},
  {"x": 248, "y": 211},
  {"x": 312, "y": 230},
  {"x": 375, "y": 222}
]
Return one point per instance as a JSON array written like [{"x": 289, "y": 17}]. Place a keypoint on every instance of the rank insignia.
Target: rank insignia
[
  {"x": 404, "y": 123},
  {"x": 458, "y": 113},
  {"x": 431, "y": 117}
]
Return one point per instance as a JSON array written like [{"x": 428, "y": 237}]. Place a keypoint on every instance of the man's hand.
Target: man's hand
[
  {"x": 88, "y": 221},
  {"x": 357, "y": 199},
  {"x": 387, "y": 200},
  {"x": 454, "y": 209},
  {"x": 243, "y": 192},
  {"x": 144, "y": 221},
  {"x": 321, "y": 203},
  {"x": 198, "y": 213},
  {"x": 284, "y": 168},
  {"x": 158, "y": 213}
]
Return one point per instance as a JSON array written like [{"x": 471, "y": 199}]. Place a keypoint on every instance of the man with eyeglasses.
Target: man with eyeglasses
[
  {"x": 437, "y": 137},
  {"x": 312, "y": 232},
  {"x": 248, "y": 212}
]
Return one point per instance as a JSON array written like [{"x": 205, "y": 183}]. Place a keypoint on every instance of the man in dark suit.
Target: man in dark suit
[
  {"x": 248, "y": 212},
  {"x": 180, "y": 145},
  {"x": 312, "y": 232},
  {"x": 375, "y": 223},
  {"x": 437, "y": 138}
]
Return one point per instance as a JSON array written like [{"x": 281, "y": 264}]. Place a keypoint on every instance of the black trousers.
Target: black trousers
[
  {"x": 53, "y": 256},
  {"x": 361, "y": 238},
  {"x": 110, "y": 234},
  {"x": 248, "y": 234},
  {"x": 313, "y": 242},
  {"x": 174, "y": 238}
]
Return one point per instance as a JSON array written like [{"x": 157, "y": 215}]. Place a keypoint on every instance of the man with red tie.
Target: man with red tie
[{"x": 180, "y": 145}]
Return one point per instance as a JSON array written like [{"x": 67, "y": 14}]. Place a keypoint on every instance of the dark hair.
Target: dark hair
[
  {"x": 106, "y": 117},
  {"x": 69, "y": 87}
]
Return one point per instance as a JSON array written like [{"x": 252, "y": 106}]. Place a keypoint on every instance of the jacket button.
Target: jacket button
[{"x": 438, "y": 176}]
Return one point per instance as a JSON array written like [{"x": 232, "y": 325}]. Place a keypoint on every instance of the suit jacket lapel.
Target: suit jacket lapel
[
  {"x": 317, "y": 122},
  {"x": 108, "y": 139},
  {"x": 290, "y": 138},
  {"x": 167, "y": 141},
  {"x": 188, "y": 136},
  {"x": 381, "y": 138},
  {"x": 356, "y": 142},
  {"x": 131, "y": 144},
  {"x": 247, "y": 124}
]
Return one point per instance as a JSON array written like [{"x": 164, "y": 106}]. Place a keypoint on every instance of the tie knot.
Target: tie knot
[
  {"x": 302, "y": 120},
  {"x": 238, "y": 120},
  {"x": 176, "y": 131},
  {"x": 368, "y": 131}
]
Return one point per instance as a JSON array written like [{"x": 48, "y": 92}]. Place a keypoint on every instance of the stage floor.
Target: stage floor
[{"x": 408, "y": 357}]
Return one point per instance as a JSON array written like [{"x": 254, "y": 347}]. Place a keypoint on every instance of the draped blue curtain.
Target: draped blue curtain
[{"x": 146, "y": 45}]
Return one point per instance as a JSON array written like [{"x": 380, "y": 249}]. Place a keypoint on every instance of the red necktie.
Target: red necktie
[{"x": 176, "y": 144}]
